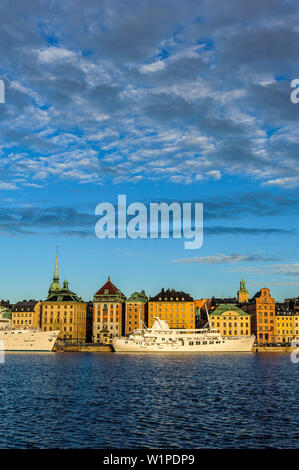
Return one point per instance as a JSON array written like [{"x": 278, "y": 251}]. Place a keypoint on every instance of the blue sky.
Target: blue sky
[{"x": 161, "y": 101}]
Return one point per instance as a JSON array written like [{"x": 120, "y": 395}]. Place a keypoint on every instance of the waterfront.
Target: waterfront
[{"x": 85, "y": 400}]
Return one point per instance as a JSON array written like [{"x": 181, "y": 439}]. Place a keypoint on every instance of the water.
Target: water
[{"x": 89, "y": 400}]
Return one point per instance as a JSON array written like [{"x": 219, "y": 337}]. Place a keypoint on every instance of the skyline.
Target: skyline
[
  {"x": 162, "y": 102},
  {"x": 58, "y": 278}
]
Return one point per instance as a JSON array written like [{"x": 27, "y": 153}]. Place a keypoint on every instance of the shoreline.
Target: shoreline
[{"x": 108, "y": 349}]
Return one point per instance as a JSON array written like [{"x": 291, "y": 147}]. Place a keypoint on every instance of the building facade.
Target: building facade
[
  {"x": 63, "y": 310},
  {"x": 287, "y": 323},
  {"x": 177, "y": 308},
  {"x": 136, "y": 311},
  {"x": 230, "y": 320},
  {"x": 263, "y": 319},
  {"x": 108, "y": 313},
  {"x": 26, "y": 314}
]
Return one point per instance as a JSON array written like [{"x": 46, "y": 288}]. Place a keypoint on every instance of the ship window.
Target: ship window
[{"x": 191, "y": 343}]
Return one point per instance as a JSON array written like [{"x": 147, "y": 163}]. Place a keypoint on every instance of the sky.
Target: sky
[{"x": 162, "y": 101}]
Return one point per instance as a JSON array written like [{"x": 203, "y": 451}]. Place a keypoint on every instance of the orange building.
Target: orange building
[
  {"x": 136, "y": 311},
  {"x": 263, "y": 318}
]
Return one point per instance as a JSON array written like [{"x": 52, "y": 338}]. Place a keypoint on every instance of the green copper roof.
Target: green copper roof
[
  {"x": 63, "y": 295},
  {"x": 222, "y": 308},
  {"x": 138, "y": 297}
]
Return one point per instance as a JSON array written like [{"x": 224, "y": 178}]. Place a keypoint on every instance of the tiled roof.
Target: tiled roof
[
  {"x": 172, "y": 296},
  {"x": 108, "y": 288},
  {"x": 283, "y": 308},
  {"x": 28, "y": 304}
]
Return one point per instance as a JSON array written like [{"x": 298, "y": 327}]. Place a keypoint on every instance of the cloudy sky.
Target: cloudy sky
[{"x": 161, "y": 101}]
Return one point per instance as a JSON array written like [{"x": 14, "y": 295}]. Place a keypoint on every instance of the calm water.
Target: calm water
[{"x": 125, "y": 401}]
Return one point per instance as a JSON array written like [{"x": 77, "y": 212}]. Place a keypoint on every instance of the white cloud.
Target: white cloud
[
  {"x": 8, "y": 186},
  {"x": 286, "y": 182},
  {"x": 224, "y": 259},
  {"x": 153, "y": 67},
  {"x": 54, "y": 54}
]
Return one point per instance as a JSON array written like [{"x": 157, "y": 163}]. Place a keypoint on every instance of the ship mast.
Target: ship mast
[{"x": 207, "y": 316}]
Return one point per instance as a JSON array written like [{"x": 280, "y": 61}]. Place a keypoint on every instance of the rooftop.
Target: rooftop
[
  {"x": 109, "y": 289},
  {"x": 222, "y": 308},
  {"x": 172, "y": 296}
]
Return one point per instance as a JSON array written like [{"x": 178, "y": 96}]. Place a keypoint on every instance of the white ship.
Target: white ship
[
  {"x": 25, "y": 339},
  {"x": 160, "y": 338}
]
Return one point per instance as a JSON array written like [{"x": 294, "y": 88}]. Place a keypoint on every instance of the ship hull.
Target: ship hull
[
  {"x": 243, "y": 344},
  {"x": 28, "y": 340}
]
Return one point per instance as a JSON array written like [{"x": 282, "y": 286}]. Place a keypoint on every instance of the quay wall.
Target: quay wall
[
  {"x": 273, "y": 349},
  {"x": 96, "y": 348}
]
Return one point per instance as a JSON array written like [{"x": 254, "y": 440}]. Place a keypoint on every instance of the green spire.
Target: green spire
[
  {"x": 55, "y": 283},
  {"x": 243, "y": 286}
]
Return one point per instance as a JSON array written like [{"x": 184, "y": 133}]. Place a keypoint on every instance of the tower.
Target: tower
[
  {"x": 243, "y": 294},
  {"x": 55, "y": 285}
]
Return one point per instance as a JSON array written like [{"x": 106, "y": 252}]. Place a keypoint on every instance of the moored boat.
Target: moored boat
[
  {"x": 160, "y": 338},
  {"x": 27, "y": 340}
]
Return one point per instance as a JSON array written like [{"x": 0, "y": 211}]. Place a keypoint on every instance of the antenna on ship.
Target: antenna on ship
[{"x": 208, "y": 323}]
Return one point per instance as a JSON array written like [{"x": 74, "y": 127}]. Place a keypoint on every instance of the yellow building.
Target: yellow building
[
  {"x": 136, "y": 311},
  {"x": 230, "y": 320},
  {"x": 287, "y": 324},
  {"x": 243, "y": 294},
  {"x": 63, "y": 310},
  {"x": 26, "y": 314},
  {"x": 177, "y": 308}
]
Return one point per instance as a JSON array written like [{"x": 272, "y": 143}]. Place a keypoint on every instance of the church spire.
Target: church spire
[
  {"x": 55, "y": 285},
  {"x": 56, "y": 273}
]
